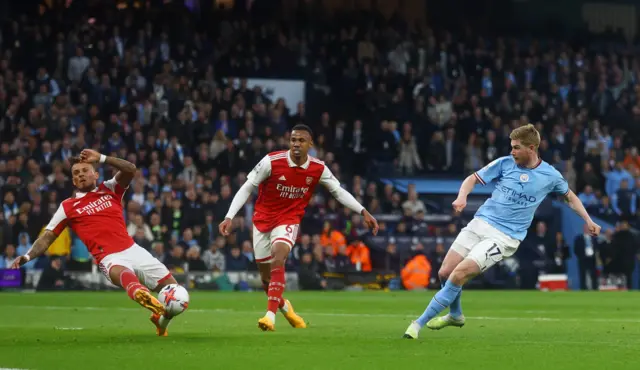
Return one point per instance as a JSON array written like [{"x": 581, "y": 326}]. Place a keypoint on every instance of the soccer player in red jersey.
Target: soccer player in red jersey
[
  {"x": 95, "y": 214},
  {"x": 285, "y": 182}
]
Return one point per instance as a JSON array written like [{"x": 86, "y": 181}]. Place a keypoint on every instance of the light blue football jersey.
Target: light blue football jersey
[{"x": 518, "y": 193}]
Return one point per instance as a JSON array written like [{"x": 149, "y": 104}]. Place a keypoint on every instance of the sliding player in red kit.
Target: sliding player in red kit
[
  {"x": 285, "y": 182},
  {"x": 95, "y": 214}
]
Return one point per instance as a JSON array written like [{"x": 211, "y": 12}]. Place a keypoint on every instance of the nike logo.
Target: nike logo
[{"x": 76, "y": 203}]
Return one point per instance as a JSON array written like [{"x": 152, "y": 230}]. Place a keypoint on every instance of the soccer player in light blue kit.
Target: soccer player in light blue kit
[{"x": 522, "y": 180}]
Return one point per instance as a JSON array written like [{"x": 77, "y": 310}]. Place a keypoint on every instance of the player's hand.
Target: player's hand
[
  {"x": 371, "y": 222},
  {"x": 19, "y": 262},
  {"x": 459, "y": 204},
  {"x": 594, "y": 228},
  {"x": 225, "y": 227},
  {"x": 89, "y": 156}
]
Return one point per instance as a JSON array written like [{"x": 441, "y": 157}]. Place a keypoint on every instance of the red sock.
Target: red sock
[
  {"x": 130, "y": 282},
  {"x": 265, "y": 286},
  {"x": 276, "y": 289}
]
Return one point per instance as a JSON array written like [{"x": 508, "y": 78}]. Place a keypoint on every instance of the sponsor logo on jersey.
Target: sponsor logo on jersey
[
  {"x": 291, "y": 192},
  {"x": 96, "y": 206},
  {"x": 515, "y": 196},
  {"x": 282, "y": 178}
]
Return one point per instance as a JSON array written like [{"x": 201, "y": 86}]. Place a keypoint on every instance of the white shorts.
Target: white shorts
[
  {"x": 262, "y": 242},
  {"x": 484, "y": 244},
  {"x": 149, "y": 270}
]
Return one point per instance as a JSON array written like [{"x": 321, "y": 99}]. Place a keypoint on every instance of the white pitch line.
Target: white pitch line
[{"x": 340, "y": 314}]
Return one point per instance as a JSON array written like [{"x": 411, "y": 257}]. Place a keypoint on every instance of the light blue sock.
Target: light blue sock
[
  {"x": 439, "y": 302},
  {"x": 455, "y": 309}
]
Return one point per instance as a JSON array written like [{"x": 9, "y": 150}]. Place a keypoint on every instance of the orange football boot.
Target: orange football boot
[
  {"x": 294, "y": 319},
  {"x": 266, "y": 324},
  {"x": 148, "y": 301}
]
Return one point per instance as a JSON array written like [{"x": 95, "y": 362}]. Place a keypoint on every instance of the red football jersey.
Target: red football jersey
[
  {"x": 285, "y": 189},
  {"x": 97, "y": 218}
]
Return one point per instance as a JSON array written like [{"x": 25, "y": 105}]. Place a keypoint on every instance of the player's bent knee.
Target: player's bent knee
[
  {"x": 114, "y": 273},
  {"x": 464, "y": 272},
  {"x": 164, "y": 282},
  {"x": 279, "y": 253},
  {"x": 458, "y": 277},
  {"x": 444, "y": 274}
]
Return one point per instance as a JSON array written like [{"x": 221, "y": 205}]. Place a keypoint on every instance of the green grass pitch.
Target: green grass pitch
[{"x": 347, "y": 330}]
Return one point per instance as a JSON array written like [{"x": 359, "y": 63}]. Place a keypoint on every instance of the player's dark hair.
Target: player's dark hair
[
  {"x": 302, "y": 127},
  {"x": 75, "y": 160}
]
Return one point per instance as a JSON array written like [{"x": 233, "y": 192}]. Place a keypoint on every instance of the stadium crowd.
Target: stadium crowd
[{"x": 170, "y": 95}]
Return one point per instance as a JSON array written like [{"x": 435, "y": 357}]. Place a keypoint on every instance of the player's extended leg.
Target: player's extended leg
[
  {"x": 285, "y": 305},
  {"x": 455, "y": 317},
  {"x": 484, "y": 255},
  {"x": 162, "y": 321},
  {"x": 127, "y": 279},
  {"x": 279, "y": 254},
  {"x": 464, "y": 272}
]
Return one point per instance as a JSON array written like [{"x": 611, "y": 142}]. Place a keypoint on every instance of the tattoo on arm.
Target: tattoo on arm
[
  {"x": 126, "y": 170},
  {"x": 121, "y": 164},
  {"x": 42, "y": 244}
]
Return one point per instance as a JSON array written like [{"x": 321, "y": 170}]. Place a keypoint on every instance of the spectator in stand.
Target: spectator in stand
[
  {"x": 53, "y": 276},
  {"x": 416, "y": 274},
  {"x": 624, "y": 252},
  {"x": 309, "y": 275},
  {"x": 359, "y": 255},
  {"x": 588, "y": 198},
  {"x": 236, "y": 261},
  {"x": 624, "y": 200},
  {"x": 413, "y": 204},
  {"x": 557, "y": 255},
  {"x": 587, "y": 251},
  {"x": 213, "y": 257},
  {"x": 195, "y": 263},
  {"x": 615, "y": 177},
  {"x": 332, "y": 239}
]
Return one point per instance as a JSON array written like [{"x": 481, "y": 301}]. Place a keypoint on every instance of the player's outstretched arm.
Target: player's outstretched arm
[
  {"x": 238, "y": 201},
  {"x": 465, "y": 189},
  {"x": 126, "y": 169},
  {"x": 37, "y": 249},
  {"x": 346, "y": 199},
  {"x": 260, "y": 172},
  {"x": 576, "y": 205}
]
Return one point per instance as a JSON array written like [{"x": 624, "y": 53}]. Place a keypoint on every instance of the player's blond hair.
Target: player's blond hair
[{"x": 527, "y": 135}]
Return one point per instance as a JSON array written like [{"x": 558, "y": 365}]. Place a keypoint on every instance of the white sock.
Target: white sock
[
  {"x": 416, "y": 326},
  {"x": 164, "y": 321},
  {"x": 272, "y": 316},
  {"x": 284, "y": 309}
]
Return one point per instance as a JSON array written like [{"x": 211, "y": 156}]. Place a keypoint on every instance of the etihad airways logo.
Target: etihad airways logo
[
  {"x": 515, "y": 196},
  {"x": 96, "y": 206}
]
